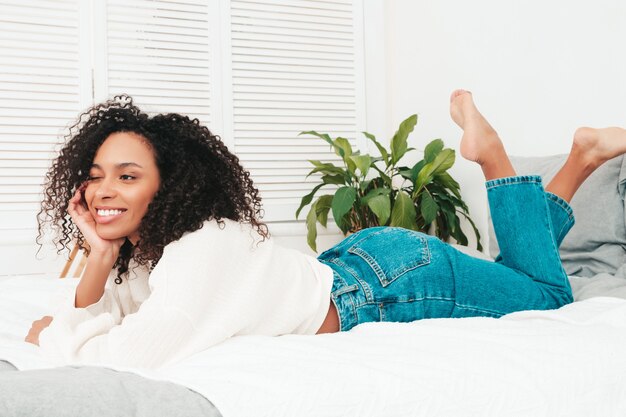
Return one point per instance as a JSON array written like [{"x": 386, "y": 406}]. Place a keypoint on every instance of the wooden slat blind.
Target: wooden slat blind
[
  {"x": 39, "y": 97},
  {"x": 159, "y": 53},
  {"x": 293, "y": 69}
]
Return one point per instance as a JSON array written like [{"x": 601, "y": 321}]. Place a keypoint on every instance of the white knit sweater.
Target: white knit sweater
[{"x": 209, "y": 285}]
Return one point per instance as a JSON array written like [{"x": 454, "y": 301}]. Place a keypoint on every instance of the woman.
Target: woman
[{"x": 179, "y": 262}]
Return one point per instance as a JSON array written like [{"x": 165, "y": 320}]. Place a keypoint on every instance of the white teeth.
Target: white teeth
[{"x": 109, "y": 212}]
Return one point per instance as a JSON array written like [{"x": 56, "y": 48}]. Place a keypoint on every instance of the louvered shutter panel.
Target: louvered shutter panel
[
  {"x": 294, "y": 69},
  {"x": 40, "y": 95},
  {"x": 159, "y": 53}
]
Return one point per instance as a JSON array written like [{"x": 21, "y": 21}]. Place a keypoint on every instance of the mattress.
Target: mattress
[{"x": 568, "y": 362}]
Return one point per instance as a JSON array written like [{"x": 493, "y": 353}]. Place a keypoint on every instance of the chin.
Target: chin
[{"x": 110, "y": 233}]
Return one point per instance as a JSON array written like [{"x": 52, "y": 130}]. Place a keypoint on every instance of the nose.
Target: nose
[{"x": 104, "y": 189}]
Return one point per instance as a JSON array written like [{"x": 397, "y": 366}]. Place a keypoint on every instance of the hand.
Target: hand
[
  {"x": 82, "y": 218},
  {"x": 37, "y": 327}
]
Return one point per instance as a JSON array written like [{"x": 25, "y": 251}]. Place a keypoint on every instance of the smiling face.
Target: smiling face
[{"x": 123, "y": 181}]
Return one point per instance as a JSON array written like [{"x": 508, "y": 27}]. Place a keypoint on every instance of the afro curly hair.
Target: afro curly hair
[{"x": 200, "y": 180}]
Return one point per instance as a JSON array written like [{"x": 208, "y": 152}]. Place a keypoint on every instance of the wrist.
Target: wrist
[{"x": 104, "y": 256}]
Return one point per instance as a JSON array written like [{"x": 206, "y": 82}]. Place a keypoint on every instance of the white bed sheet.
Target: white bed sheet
[{"x": 566, "y": 362}]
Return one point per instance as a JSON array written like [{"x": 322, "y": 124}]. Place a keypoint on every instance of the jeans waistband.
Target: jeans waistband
[{"x": 346, "y": 310}]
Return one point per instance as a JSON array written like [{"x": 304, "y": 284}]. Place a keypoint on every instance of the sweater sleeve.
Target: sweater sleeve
[
  {"x": 195, "y": 303},
  {"x": 101, "y": 333},
  {"x": 73, "y": 326},
  {"x": 65, "y": 301},
  {"x": 98, "y": 334}
]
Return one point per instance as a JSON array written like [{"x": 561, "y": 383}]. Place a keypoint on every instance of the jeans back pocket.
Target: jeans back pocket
[{"x": 392, "y": 252}]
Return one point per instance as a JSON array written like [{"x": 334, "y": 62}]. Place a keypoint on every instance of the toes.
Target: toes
[{"x": 457, "y": 93}]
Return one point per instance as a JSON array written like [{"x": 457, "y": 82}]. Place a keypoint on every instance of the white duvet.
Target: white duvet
[{"x": 566, "y": 362}]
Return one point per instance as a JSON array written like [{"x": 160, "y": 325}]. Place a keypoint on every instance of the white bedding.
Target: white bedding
[{"x": 566, "y": 362}]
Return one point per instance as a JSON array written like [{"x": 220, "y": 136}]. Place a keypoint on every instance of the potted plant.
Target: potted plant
[{"x": 428, "y": 197}]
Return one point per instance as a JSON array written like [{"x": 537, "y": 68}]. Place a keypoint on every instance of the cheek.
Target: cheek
[
  {"x": 88, "y": 193},
  {"x": 146, "y": 198}
]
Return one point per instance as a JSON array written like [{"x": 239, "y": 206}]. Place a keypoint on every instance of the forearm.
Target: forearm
[{"x": 91, "y": 285}]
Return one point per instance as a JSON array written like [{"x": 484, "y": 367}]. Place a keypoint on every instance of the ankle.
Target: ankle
[
  {"x": 582, "y": 159},
  {"x": 497, "y": 168}
]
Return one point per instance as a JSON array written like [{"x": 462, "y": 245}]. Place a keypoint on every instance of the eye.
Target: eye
[
  {"x": 127, "y": 177},
  {"x": 91, "y": 178}
]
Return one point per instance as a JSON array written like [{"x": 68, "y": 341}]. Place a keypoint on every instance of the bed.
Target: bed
[{"x": 565, "y": 362}]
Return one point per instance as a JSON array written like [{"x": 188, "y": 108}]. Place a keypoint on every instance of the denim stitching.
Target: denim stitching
[
  {"x": 556, "y": 250},
  {"x": 365, "y": 286},
  {"x": 334, "y": 301},
  {"x": 562, "y": 203},
  {"x": 520, "y": 179},
  {"x": 345, "y": 289},
  {"x": 412, "y": 300},
  {"x": 382, "y": 277},
  {"x": 348, "y": 301},
  {"x": 371, "y": 262},
  {"x": 564, "y": 229},
  {"x": 481, "y": 310},
  {"x": 352, "y": 309}
]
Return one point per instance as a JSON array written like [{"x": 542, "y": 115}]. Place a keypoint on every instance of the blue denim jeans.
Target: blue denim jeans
[{"x": 396, "y": 274}]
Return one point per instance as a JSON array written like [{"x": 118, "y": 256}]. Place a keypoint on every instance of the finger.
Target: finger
[
  {"x": 72, "y": 209},
  {"x": 75, "y": 206}
]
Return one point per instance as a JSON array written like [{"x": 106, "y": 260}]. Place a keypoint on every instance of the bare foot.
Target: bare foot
[
  {"x": 479, "y": 139},
  {"x": 599, "y": 145},
  {"x": 591, "y": 148}
]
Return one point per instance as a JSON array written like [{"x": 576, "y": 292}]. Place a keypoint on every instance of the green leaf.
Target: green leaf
[
  {"x": 362, "y": 162},
  {"x": 447, "y": 181},
  {"x": 385, "y": 178},
  {"x": 319, "y": 135},
  {"x": 381, "y": 206},
  {"x": 334, "y": 179},
  {"x": 403, "y": 212},
  {"x": 311, "y": 226},
  {"x": 343, "y": 148},
  {"x": 432, "y": 150},
  {"x": 307, "y": 198},
  {"x": 374, "y": 193},
  {"x": 423, "y": 177},
  {"x": 325, "y": 168},
  {"x": 458, "y": 202},
  {"x": 456, "y": 231},
  {"x": 416, "y": 170},
  {"x": 479, "y": 246},
  {"x": 443, "y": 161},
  {"x": 322, "y": 207},
  {"x": 399, "y": 140},
  {"x": 452, "y": 219},
  {"x": 381, "y": 148},
  {"x": 342, "y": 203},
  {"x": 428, "y": 208},
  {"x": 406, "y": 173}
]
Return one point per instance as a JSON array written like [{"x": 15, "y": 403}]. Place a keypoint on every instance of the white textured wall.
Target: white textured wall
[{"x": 538, "y": 69}]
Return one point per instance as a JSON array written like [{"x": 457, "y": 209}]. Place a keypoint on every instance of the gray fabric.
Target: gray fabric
[
  {"x": 93, "y": 391},
  {"x": 6, "y": 366},
  {"x": 600, "y": 285},
  {"x": 597, "y": 242}
]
